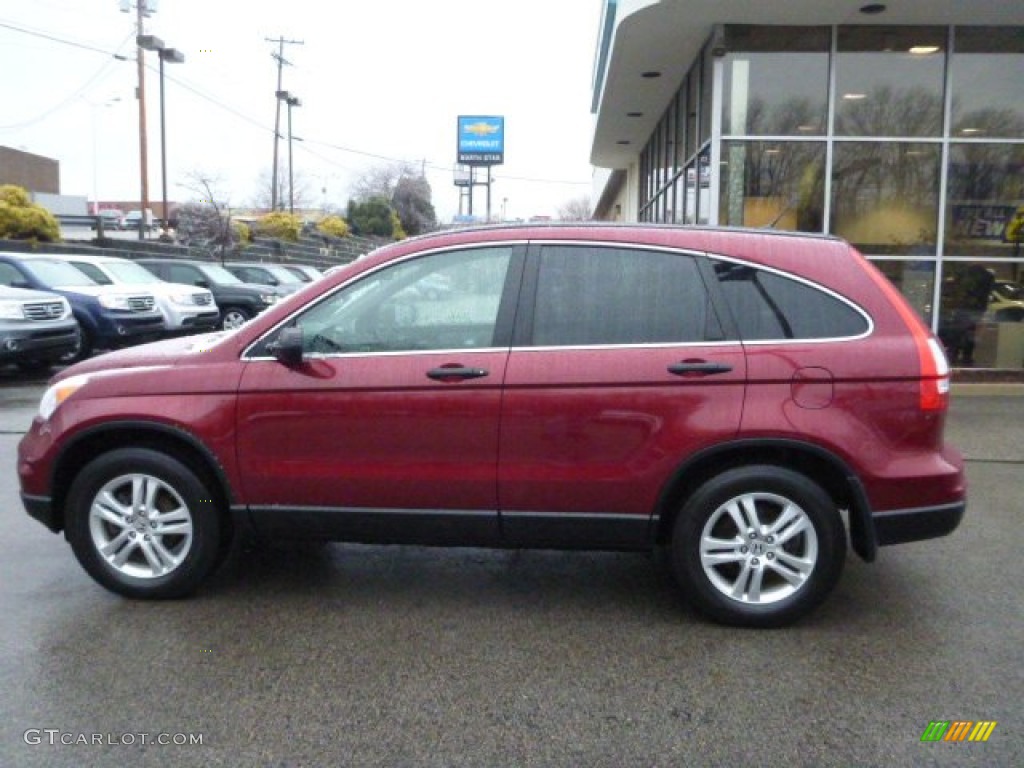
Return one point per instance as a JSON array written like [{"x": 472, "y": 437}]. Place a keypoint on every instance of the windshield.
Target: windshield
[
  {"x": 56, "y": 273},
  {"x": 282, "y": 274},
  {"x": 130, "y": 272},
  {"x": 218, "y": 274}
]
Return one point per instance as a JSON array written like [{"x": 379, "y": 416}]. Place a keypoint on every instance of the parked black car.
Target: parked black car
[
  {"x": 265, "y": 274},
  {"x": 238, "y": 301}
]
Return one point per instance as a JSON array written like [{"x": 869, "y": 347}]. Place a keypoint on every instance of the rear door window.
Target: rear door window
[{"x": 595, "y": 295}]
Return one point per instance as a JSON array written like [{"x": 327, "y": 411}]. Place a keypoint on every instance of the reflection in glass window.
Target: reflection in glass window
[
  {"x": 441, "y": 301},
  {"x": 987, "y": 82},
  {"x": 889, "y": 81},
  {"x": 885, "y": 196},
  {"x": 982, "y": 318},
  {"x": 915, "y": 280},
  {"x": 776, "y": 81},
  {"x": 773, "y": 184},
  {"x": 767, "y": 306},
  {"x": 597, "y": 296},
  {"x": 985, "y": 200}
]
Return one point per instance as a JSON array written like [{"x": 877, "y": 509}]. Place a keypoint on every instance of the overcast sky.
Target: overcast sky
[{"x": 384, "y": 77}]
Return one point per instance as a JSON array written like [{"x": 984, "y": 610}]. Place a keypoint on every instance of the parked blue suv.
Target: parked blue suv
[{"x": 109, "y": 317}]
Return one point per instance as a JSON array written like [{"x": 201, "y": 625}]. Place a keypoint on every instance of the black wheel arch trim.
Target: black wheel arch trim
[
  {"x": 135, "y": 425},
  {"x": 863, "y": 537}
]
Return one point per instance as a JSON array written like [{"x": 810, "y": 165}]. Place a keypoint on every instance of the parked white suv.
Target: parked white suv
[{"x": 186, "y": 308}]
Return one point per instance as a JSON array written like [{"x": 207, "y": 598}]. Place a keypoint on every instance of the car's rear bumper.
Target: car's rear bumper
[{"x": 899, "y": 526}]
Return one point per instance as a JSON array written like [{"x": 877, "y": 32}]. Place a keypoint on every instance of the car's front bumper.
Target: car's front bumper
[
  {"x": 41, "y": 508},
  {"x": 48, "y": 343}
]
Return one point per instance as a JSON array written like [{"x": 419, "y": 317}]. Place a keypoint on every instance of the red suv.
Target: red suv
[{"x": 729, "y": 395}]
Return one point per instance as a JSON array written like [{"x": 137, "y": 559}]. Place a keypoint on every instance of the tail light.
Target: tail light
[{"x": 934, "y": 368}]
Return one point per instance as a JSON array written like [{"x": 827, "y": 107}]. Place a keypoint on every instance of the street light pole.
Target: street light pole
[
  {"x": 291, "y": 101},
  {"x": 174, "y": 56},
  {"x": 143, "y": 162}
]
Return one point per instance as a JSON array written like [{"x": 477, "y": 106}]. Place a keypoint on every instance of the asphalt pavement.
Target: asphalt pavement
[{"x": 311, "y": 655}]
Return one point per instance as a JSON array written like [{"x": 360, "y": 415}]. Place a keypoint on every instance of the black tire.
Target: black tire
[
  {"x": 80, "y": 352},
  {"x": 764, "y": 575},
  {"x": 232, "y": 317},
  {"x": 180, "y": 501}
]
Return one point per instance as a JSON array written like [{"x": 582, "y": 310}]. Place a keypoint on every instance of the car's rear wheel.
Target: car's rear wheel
[
  {"x": 758, "y": 546},
  {"x": 143, "y": 524},
  {"x": 234, "y": 317}
]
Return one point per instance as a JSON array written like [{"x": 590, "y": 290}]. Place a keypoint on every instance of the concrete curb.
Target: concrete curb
[{"x": 987, "y": 389}]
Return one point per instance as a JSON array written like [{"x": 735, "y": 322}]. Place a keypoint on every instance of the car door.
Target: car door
[
  {"x": 620, "y": 369},
  {"x": 388, "y": 430}
]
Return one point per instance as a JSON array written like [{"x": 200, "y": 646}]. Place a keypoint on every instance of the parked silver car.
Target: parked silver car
[
  {"x": 37, "y": 328},
  {"x": 186, "y": 308}
]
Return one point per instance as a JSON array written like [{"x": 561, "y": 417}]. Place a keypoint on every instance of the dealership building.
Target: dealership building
[{"x": 898, "y": 126}]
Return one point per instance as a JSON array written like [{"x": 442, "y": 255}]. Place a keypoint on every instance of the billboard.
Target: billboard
[{"x": 481, "y": 140}]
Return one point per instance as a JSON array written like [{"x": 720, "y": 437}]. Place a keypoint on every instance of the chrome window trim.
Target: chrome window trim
[{"x": 245, "y": 356}]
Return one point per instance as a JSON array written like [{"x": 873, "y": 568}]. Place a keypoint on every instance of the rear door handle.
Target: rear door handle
[
  {"x": 455, "y": 373},
  {"x": 698, "y": 368}
]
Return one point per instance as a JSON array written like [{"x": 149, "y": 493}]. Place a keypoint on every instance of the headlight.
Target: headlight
[
  {"x": 58, "y": 393},
  {"x": 113, "y": 301},
  {"x": 269, "y": 298},
  {"x": 11, "y": 310}
]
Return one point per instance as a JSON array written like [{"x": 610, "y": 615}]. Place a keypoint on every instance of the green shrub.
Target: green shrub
[
  {"x": 280, "y": 225},
  {"x": 243, "y": 235},
  {"x": 21, "y": 219}
]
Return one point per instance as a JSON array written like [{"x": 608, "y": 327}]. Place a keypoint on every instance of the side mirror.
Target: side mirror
[
  {"x": 288, "y": 347},
  {"x": 203, "y": 283}
]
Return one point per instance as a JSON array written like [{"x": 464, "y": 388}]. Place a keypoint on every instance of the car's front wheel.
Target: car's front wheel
[
  {"x": 143, "y": 524},
  {"x": 758, "y": 546}
]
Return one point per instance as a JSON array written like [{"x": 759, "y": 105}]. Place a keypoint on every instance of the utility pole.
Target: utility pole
[
  {"x": 142, "y": 11},
  {"x": 281, "y": 61}
]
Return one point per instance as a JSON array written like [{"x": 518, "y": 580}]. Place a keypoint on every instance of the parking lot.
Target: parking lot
[{"x": 398, "y": 656}]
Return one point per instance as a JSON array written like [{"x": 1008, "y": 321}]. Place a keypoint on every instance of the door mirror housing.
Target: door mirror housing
[{"x": 288, "y": 347}]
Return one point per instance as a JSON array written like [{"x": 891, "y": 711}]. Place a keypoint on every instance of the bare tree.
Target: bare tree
[
  {"x": 301, "y": 197},
  {"x": 206, "y": 220},
  {"x": 577, "y": 209},
  {"x": 380, "y": 181}
]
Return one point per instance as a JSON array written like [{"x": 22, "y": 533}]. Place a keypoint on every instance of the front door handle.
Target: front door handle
[
  {"x": 455, "y": 373},
  {"x": 698, "y": 368}
]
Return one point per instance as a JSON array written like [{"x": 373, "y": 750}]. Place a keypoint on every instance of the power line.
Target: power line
[
  {"x": 251, "y": 120},
  {"x": 55, "y": 39}
]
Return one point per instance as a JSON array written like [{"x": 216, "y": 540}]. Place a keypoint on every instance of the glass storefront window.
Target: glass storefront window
[
  {"x": 691, "y": 114},
  {"x": 775, "y": 81},
  {"x": 889, "y": 81},
  {"x": 985, "y": 200},
  {"x": 915, "y": 280},
  {"x": 704, "y": 186},
  {"x": 981, "y": 322},
  {"x": 885, "y": 196},
  {"x": 773, "y": 184},
  {"x": 987, "y": 82}
]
